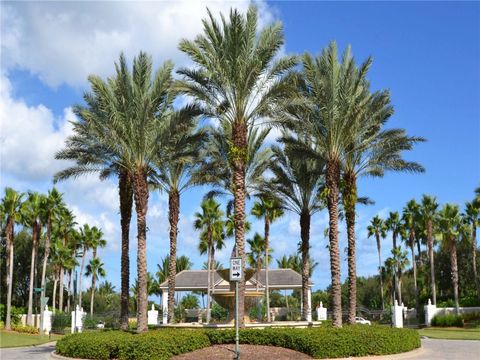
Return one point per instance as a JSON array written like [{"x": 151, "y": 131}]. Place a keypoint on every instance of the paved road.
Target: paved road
[
  {"x": 40, "y": 352},
  {"x": 432, "y": 349}
]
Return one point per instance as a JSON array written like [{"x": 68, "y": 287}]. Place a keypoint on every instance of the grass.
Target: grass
[
  {"x": 13, "y": 339},
  {"x": 451, "y": 333}
]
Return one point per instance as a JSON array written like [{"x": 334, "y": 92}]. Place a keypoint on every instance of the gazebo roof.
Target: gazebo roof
[{"x": 191, "y": 280}]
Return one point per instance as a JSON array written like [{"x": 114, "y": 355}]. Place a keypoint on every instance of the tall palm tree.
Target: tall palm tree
[
  {"x": 270, "y": 209},
  {"x": 230, "y": 226},
  {"x": 61, "y": 259},
  {"x": 210, "y": 223},
  {"x": 398, "y": 262},
  {"x": 394, "y": 224},
  {"x": 33, "y": 217},
  {"x": 238, "y": 80},
  {"x": 66, "y": 225},
  {"x": 378, "y": 228},
  {"x": 472, "y": 216},
  {"x": 174, "y": 164},
  {"x": 371, "y": 151},
  {"x": 256, "y": 257},
  {"x": 428, "y": 211},
  {"x": 53, "y": 204},
  {"x": 449, "y": 225},
  {"x": 182, "y": 263},
  {"x": 95, "y": 269},
  {"x": 333, "y": 90},
  {"x": 299, "y": 182},
  {"x": 91, "y": 156},
  {"x": 409, "y": 217},
  {"x": 12, "y": 207}
]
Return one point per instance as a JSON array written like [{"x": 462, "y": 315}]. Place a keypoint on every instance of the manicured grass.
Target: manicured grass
[
  {"x": 451, "y": 333},
  {"x": 14, "y": 339}
]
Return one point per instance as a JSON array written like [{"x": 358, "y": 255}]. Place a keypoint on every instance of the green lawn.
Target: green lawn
[
  {"x": 451, "y": 333},
  {"x": 14, "y": 339}
]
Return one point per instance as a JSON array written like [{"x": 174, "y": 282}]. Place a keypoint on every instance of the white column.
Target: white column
[
  {"x": 309, "y": 302},
  {"x": 430, "y": 311},
  {"x": 77, "y": 319},
  {"x": 152, "y": 316},
  {"x": 47, "y": 320},
  {"x": 164, "y": 307},
  {"x": 397, "y": 315}
]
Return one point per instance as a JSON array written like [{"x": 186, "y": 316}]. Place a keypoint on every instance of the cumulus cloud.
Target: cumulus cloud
[
  {"x": 29, "y": 136},
  {"x": 64, "y": 42}
]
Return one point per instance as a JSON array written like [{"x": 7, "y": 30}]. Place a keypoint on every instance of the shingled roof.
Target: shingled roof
[{"x": 189, "y": 280}]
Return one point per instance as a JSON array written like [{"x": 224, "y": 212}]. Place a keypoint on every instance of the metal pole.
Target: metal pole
[{"x": 237, "y": 348}]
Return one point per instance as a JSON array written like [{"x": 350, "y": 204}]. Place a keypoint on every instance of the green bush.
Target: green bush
[
  {"x": 447, "y": 320},
  {"x": 25, "y": 329},
  {"x": 323, "y": 342},
  {"x": 15, "y": 313},
  {"x": 61, "y": 321}
]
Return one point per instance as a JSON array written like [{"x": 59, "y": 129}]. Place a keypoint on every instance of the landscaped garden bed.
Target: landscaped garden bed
[{"x": 165, "y": 343}]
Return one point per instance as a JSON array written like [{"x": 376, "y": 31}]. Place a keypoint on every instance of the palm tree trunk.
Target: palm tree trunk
[
  {"x": 173, "y": 215},
  {"x": 213, "y": 269},
  {"x": 349, "y": 199},
  {"x": 267, "y": 286},
  {"x": 69, "y": 286},
  {"x": 286, "y": 302},
  {"x": 332, "y": 179},
  {"x": 32, "y": 273},
  {"x": 10, "y": 236},
  {"x": 432, "y": 264},
  {"x": 44, "y": 267},
  {"x": 81, "y": 277},
  {"x": 239, "y": 137},
  {"x": 141, "y": 206},
  {"x": 60, "y": 295},
  {"x": 414, "y": 265},
  {"x": 209, "y": 265},
  {"x": 399, "y": 285},
  {"x": 474, "y": 257},
  {"x": 305, "y": 236},
  {"x": 125, "y": 192},
  {"x": 419, "y": 250},
  {"x": 54, "y": 295},
  {"x": 92, "y": 296},
  {"x": 377, "y": 235},
  {"x": 454, "y": 266}
]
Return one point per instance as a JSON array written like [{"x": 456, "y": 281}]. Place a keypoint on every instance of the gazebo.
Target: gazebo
[{"x": 197, "y": 280}]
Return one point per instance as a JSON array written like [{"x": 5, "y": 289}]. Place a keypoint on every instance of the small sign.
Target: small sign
[
  {"x": 38, "y": 290},
  {"x": 44, "y": 301},
  {"x": 236, "y": 273}
]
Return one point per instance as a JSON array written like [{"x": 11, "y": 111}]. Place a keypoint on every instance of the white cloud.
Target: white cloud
[
  {"x": 64, "y": 42},
  {"x": 29, "y": 136}
]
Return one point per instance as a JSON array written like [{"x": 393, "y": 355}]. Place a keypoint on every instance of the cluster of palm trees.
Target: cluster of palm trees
[
  {"x": 332, "y": 133},
  {"x": 53, "y": 226},
  {"x": 425, "y": 224}
]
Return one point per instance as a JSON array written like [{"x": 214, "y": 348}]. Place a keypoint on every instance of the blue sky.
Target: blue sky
[{"x": 427, "y": 54}]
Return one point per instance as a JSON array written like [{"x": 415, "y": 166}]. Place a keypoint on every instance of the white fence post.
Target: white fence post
[
  {"x": 397, "y": 314},
  {"x": 47, "y": 320},
  {"x": 430, "y": 311},
  {"x": 164, "y": 307},
  {"x": 77, "y": 319},
  {"x": 152, "y": 316},
  {"x": 321, "y": 312}
]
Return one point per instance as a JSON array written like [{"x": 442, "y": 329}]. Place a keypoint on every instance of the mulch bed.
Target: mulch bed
[{"x": 250, "y": 352}]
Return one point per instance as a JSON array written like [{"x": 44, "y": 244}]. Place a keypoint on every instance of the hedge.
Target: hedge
[{"x": 356, "y": 340}]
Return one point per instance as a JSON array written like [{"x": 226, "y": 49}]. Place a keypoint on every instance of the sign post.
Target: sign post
[{"x": 236, "y": 274}]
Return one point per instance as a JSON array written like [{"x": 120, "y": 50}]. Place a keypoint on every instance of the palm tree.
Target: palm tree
[
  {"x": 175, "y": 162},
  {"x": 61, "y": 258},
  {"x": 299, "y": 182},
  {"x": 398, "y": 262},
  {"x": 409, "y": 217},
  {"x": 472, "y": 216},
  {"x": 257, "y": 255},
  {"x": 394, "y": 224},
  {"x": 428, "y": 211},
  {"x": 269, "y": 209},
  {"x": 12, "y": 207},
  {"x": 66, "y": 225},
  {"x": 53, "y": 204},
  {"x": 95, "y": 269},
  {"x": 33, "y": 216},
  {"x": 333, "y": 91},
  {"x": 378, "y": 228},
  {"x": 371, "y": 152},
  {"x": 449, "y": 225},
  {"x": 210, "y": 223},
  {"x": 237, "y": 80},
  {"x": 230, "y": 226}
]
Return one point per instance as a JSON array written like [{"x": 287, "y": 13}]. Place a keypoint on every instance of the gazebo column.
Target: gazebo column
[
  {"x": 309, "y": 301},
  {"x": 164, "y": 307}
]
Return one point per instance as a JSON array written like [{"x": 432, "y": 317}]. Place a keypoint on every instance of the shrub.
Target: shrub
[
  {"x": 61, "y": 321},
  {"x": 15, "y": 313},
  {"x": 323, "y": 342},
  {"x": 447, "y": 320},
  {"x": 25, "y": 329}
]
